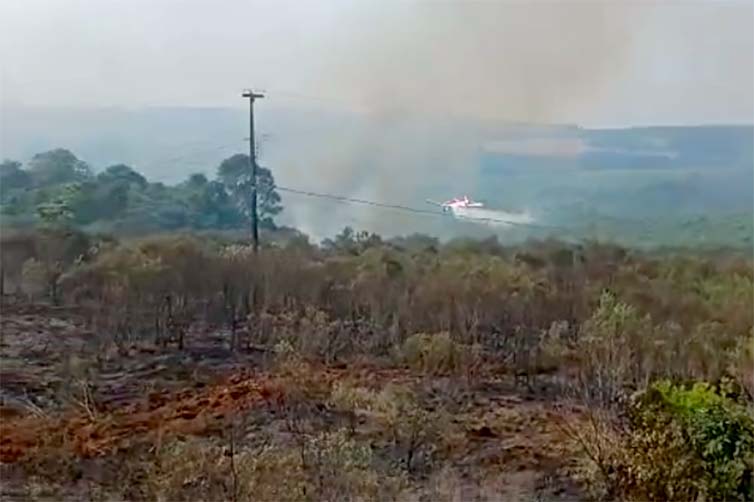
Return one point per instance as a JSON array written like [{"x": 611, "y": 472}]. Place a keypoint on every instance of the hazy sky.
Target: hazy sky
[{"x": 587, "y": 62}]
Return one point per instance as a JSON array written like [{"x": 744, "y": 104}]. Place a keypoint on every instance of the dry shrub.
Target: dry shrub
[
  {"x": 299, "y": 380},
  {"x": 302, "y": 393},
  {"x": 352, "y": 400},
  {"x": 347, "y": 395},
  {"x": 437, "y": 354},
  {"x": 707, "y": 350},
  {"x": 15, "y": 248},
  {"x": 742, "y": 364},
  {"x": 598, "y": 437},
  {"x": 680, "y": 318},
  {"x": 34, "y": 279},
  {"x": 78, "y": 388},
  {"x": 555, "y": 350},
  {"x": 416, "y": 433},
  {"x": 324, "y": 466},
  {"x": 53, "y": 458},
  {"x": 312, "y": 333},
  {"x": 340, "y": 468},
  {"x": 320, "y": 337},
  {"x": 701, "y": 309},
  {"x": 610, "y": 346},
  {"x": 189, "y": 470},
  {"x": 41, "y": 259},
  {"x": 620, "y": 349}
]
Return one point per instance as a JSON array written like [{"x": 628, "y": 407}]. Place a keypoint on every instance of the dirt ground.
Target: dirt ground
[{"x": 57, "y": 381}]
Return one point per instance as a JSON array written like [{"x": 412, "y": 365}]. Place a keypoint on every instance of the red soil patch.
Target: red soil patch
[{"x": 188, "y": 412}]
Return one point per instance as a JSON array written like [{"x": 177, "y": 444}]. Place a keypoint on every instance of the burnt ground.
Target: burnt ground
[{"x": 58, "y": 380}]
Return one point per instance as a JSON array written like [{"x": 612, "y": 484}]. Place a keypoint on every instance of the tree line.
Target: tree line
[{"x": 57, "y": 187}]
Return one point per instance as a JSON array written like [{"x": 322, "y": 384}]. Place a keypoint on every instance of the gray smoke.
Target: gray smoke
[
  {"x": 519, "y": 61},
  {"x": 434, "y": 81},
  {"x": 424, "y": 76}
]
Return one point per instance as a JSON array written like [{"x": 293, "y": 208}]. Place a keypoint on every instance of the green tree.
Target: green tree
[
  {"x": 107, "y": 196},
  {"x": 122, "y": 173},
  {"x": 58, "y": 210},
  {"x": 197, "y": 180},
  {"x": 13, "y": 177},
  {"x": 235, "y": 175},
  {"x": 209, "y": 204},
  {"x": 14, "y": 185},
  {"x": 57, "y": 166},
  {"x": 349, "y": 241},
  {"x": 100, "y": 201}
]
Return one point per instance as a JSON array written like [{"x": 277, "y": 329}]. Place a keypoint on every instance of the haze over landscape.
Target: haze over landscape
[
  {"x": 396, "y": 101},
  {"x": 614, "y": 63}
]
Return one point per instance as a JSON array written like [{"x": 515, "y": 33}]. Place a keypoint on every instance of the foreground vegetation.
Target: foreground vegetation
[{"x": 381, "y": 368}]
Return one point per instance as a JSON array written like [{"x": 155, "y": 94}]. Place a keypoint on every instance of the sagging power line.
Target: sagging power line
[{"x": 399, "y": 207}]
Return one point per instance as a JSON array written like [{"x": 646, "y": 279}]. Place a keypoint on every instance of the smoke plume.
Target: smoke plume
[{"x": 431, "y": 80}]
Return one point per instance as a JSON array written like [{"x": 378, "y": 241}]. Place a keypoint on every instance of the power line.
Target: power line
[
  {"x": 308, "y": 97},
  {"x": 343, "y": 198},
  {"x": 399, "y": 207}
]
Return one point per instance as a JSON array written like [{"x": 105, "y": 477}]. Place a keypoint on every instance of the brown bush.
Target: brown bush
[
  {"x": 679, "y": 317},
  {"x": 325, "y": 466}
]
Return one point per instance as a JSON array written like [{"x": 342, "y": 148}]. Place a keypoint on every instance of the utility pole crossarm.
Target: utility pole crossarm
[{"x": 251, "y": 95}]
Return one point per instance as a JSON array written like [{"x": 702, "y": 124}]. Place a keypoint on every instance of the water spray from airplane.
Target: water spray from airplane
[
  {"x": 457, "y": 203},
  {"x": 467, "y": 209}
]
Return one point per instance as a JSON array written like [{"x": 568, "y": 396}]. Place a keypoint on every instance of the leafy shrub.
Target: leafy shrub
[
  {"x": 678, "y": 443},
  {"x": 715, "y": 432}
]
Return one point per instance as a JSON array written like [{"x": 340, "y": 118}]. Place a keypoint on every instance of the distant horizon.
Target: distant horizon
[{"x": 287, "y": 107}]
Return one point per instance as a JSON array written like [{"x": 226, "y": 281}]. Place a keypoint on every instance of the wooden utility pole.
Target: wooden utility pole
[{"x": 253, "y": 165}]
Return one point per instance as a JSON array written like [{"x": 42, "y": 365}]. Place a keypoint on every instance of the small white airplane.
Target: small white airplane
[{"x": 457, "y": 203}]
